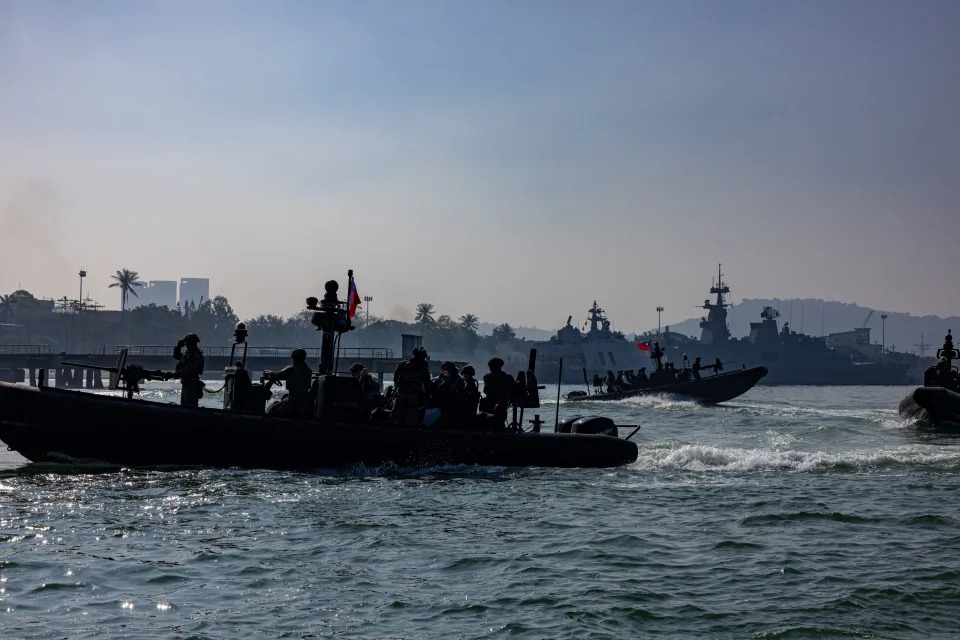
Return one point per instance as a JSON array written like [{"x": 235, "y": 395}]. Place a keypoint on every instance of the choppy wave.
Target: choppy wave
[
  {"x": 703, "y": 457},
  {"x": 806, "y": 413}
]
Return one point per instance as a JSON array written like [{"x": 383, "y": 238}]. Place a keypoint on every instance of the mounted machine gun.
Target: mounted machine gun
[{"x": 130, "y": 376}]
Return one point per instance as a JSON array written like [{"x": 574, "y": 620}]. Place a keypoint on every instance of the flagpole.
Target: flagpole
[{"x": 340, "y": 335}]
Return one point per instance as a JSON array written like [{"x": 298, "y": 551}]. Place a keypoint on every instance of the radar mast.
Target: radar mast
[{"x": 714, "y": 326}]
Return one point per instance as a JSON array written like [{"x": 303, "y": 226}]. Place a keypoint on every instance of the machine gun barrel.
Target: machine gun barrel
[
  {"x": 89, "y": 366},
  {"x": 143, "y": 374},
  {"x": 131, "y": 370}
]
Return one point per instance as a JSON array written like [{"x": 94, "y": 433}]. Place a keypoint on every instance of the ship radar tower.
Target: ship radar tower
[
  {"x": 597, "y": 317},
  {"x": 714, "y": 327}
]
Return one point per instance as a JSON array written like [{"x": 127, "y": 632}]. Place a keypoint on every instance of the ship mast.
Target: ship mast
[
  {"x": 714, "y": 328},
  {"x": 594, "y": 316}
]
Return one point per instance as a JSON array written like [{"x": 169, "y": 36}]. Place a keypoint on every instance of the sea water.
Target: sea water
[{"x": 790, "y": 512}]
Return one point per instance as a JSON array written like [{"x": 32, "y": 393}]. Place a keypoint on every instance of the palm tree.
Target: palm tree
[
  {"x": 424, "y": 313},
  {"x": 503, "y": 332},
  {"x": 126, "y": 280},
  {"x": 469, "y": 322}
]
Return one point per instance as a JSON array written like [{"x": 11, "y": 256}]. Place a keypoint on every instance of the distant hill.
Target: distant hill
[{"x": 818, "y": 317}]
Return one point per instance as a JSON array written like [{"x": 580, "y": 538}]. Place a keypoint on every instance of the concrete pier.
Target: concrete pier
[{"x": 11, "y": 375}]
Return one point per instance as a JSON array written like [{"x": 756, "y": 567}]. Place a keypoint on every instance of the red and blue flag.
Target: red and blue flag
[
  {"x": 645, "y": 346},
  {"x": 353, "y": 298}
]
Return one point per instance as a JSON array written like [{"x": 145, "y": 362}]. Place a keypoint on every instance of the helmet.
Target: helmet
[
  {"x": 495, "y": 363},
  {"x": 469, "y": 370},
  {"x": 191, "y": 338},
  {"x": 449, "y": 366},
  {"x": 420, "y": 353},
  {"x": 299, "y": 355},
  {"x": 355, "y": 367}
]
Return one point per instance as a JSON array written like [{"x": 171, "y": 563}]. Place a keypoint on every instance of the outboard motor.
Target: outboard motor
[
  {"x": 598, "y": 425},
  {"x": 564, "y": 425},
  {"x": 595, "y": 425}
]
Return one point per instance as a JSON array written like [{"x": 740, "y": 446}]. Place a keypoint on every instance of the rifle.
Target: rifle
[
  {"x": 716, "y": 366},
  {"x": 130, "y": 375}
]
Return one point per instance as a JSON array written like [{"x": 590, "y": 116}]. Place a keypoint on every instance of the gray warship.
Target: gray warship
[
  {"x": 792, "y": 358},
  {"x": 588, "y": 352}
]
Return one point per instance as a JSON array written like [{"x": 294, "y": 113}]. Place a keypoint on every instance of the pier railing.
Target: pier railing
[
  {"x": 359, "y": 353},
  {"x": 25, "y": 349}
]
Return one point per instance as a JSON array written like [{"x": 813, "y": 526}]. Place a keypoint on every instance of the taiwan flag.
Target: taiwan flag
[
  {"x": 645, "y": 346},
  {"x": 353, "y": 298}
]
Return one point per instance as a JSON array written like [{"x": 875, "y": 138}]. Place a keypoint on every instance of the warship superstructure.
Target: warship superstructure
[
  {"x": 594, "y": 350},
  {"x": 791, "y": 357}
]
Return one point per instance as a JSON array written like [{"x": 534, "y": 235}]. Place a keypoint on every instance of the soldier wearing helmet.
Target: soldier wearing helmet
[
  {"x": 189, "y": 369},
  {"x": 471, "y": 395},
  {"x": 369, "y": 385},
  {"x": 411, "y": 384},
  {"x": 447, "y": 392},
  {"x": 298, "y": 376},
  {"x": 642, "y": 378},
  {"x": 498, "y": 389}
]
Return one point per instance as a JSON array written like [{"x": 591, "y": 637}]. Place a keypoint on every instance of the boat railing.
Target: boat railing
[{"x": 358, "y": 353}]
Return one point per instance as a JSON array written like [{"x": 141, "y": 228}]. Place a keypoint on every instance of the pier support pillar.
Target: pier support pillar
[
  {"x": 97, "y": 378},
  {"x": 58, "y": 378},
  {"x": 89, "y": 378},
  {"x": 33, "y": 376}
]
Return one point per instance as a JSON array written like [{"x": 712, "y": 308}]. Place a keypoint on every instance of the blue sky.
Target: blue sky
[{"x": 515, "y": 160}]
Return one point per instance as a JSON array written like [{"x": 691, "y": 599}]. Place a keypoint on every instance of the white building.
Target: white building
[
  {"x": 162, "y": 293},
  {"x": 196, "y": 291},
  {"x": 139, "y": 297}
]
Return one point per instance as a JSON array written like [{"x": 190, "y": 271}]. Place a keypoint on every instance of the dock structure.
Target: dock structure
[{"x": 21, "y": 362}]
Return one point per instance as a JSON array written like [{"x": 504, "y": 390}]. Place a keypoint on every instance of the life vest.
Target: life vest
[{"x": 412, "y": 374}]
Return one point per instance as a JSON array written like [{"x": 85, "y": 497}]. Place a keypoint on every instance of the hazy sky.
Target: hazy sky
[{"x": 514, "y": 159}]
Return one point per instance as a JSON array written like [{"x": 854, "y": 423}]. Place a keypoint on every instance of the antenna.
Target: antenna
[{"x": 921, "y": 347}]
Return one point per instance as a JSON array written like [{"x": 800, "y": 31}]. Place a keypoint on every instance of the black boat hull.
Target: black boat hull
[
  {"x": 53, "y": 425},
  {"x": 936, "y": 406},
  {"x": 708, "y": 390}
]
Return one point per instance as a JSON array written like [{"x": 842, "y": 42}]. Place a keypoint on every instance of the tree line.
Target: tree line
[{"x": 214, "y": 321}]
